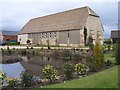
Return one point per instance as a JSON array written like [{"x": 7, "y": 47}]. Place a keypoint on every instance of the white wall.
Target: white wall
[
  {"x": 23, "y": 38},
  {"x": 94, "y": 23},
  {"x": 1, "y": 37}
]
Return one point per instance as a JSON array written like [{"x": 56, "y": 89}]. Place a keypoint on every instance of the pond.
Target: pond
[
  {"x": 33, "y": 63},
  {"x": 12, "y": 70}
]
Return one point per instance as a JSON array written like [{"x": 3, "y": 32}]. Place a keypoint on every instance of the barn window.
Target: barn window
[
  {"x": 68, "y": 35},
  {"x": 50, "y": 34},
  {"x": 54, "y": 34}
]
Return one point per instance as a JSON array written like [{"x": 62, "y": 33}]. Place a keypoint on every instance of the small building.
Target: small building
[
  {"x": 6, "y": 36},
  {"x": 115, "y": 35},
  {"x": 64, "y": 28}
]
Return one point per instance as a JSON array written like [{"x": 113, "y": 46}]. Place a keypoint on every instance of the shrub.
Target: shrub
[
  {"x": 77, "y": 57},
  {"x": 66, "y": 55},
  {"x": 108, "y": 63},
  {"x": 81, "y": 69},
  {"x": 9, "y": 51},
  {"x": 99, "y": 56},
  {"x": 91, "y": 46},
  {"x": 68, "y": 70},
  {"x": 91, "y": 63},
  {"x": 13, "y": 43},
  {"x": 12, "y": 82},
  {"x": 23, "y": 52},
  {"x": 56, "y": 54},
  {"x": 49, "y": 73},
  {"x": 26, "y": 78},
  {"x": 33, "y": 52},
  {"x": 117, "y": 53},
  {"x": 109, "y": 46},
  {"x": 2, "y": 77},
  {"x": 108, "y": 41},
  {"x": 8, "y": 48},
  {"x": 31, "y": 47},
  {"x": 27, "y": 47}
]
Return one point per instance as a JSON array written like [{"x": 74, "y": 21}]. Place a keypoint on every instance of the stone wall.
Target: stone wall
[{"x": 94, "y": 28}]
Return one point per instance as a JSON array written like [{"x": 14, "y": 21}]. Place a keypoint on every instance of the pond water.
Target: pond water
[
  {"x": 34, "y": 64},
  {"x": 12, "y": 70}
]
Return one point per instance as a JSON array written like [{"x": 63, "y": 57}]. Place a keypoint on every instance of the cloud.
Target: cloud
[{"x": 16, "y": 13}]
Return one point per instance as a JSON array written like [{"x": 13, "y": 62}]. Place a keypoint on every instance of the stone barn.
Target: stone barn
[{"x": 68, "y": 28}]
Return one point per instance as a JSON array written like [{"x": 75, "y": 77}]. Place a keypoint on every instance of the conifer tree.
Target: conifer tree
[{"x": 98, "y": 55}]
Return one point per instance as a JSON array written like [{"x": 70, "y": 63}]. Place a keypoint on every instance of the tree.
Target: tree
[
  {"x": 68, "y": 70},
  {"x": 49, "y": 73},
  {"x": 98, "y": 55},
  {"x": 85, "y": 35},
  {"x": 117, "y": 55}
]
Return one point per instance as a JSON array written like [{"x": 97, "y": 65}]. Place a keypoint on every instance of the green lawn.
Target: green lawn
[
  {"x": 109, "y": 57},
  {"x": 104, "y": 79}
]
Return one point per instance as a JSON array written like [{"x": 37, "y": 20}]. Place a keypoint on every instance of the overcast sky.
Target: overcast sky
[{"x": 16, "y": 13}]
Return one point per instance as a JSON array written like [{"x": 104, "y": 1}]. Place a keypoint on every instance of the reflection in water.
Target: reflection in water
[
  {"x": 35, "y": 64},
  {"x": 12, "y": 70}
]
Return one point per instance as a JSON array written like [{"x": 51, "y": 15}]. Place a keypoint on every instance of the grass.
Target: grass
[
  {"x": 109, "y": 56},
  {"x": 104, "y": 79}
]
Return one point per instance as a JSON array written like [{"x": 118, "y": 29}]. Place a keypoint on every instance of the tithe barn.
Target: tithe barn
[{"x": 75, "y": 27}]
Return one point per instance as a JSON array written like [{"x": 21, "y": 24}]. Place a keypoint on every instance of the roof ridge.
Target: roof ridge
[{"x": 60, "y": 12}]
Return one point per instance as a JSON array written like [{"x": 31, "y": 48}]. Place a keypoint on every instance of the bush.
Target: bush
[
  {"x": 27, "y": 78},
  {"x": 77, "y": 57},
  {"x": 81, "y": 69},
  {"x": 9, "y": 51},
  {"x": 91, "y": 46},
  {"x": 49, "y": 73},
  {"x": 8, "y": 48},
  {"x": 108, "y": 41},
  {"x": 31, "y": 47},
  {"x": 13, "y": 43},
  {"x": 99, "y": 56},
  {"x": 56, "y": 54},
  {"x": 23, "y": 52},
  {"x": 68, "y": 70},
  {"x": 12, "y": 82},
  {"x": 2, "y": 77},
  {"x": 91, "y": 63},
  {"x": 108, "y": 63},
  {"x": 117, "y": 53},
  {"x": 109, "y": 46},
  {"x": 66, "y": 55}
]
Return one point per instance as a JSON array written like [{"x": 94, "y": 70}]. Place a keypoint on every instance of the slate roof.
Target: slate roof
[{"x": 67, "y": 20}]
